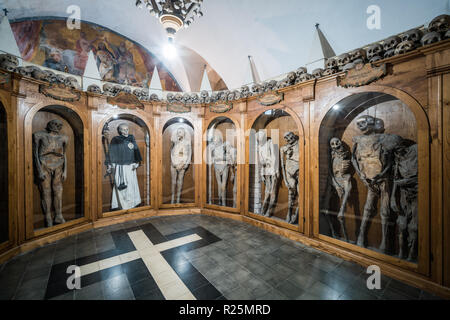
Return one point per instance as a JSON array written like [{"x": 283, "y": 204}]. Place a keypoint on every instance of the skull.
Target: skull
[
  {"x": 24, "y": 71},
  {"x": 379, "y": 125},
  {"x": 38, "y": 74},
  {"x": 331, "y": 63},
  {"x": 170, "y": 97},
  {"x": 328, "y": 72},
  {"x": 358, "y": 54},
  {"x": 204, "y": 94},
  {"x": 440, "y": 24},
  {"x": 343, "y": 59},
  {"x": 300, "y": 71},
  {"x": 108, "y": 88},
  {"x": 366, "y": 124},
  {"x": 214, "y": 96},
  {"x": 404, "y": 47},
  {"x": 54, "y": 125},
  {"x": 413, "y": 35},
  {"x": 391, "y": 43},
  {"x": 154, "y": 97},
  {"x": 305, "y": 77},
  {"x": 430, "y": 37},
  {"x": 291, "y": 77},
  {"x": 271, "y": 85},
  {"x": 348, "y": 66},
  {"x": 374, "y": 50},
  {"x": 223, "y": 95},
  {"x": 126, "y": 89},
  {"x": 317, "y": 73},
  {"x": 138, "y": 93},
  {"x": 60, "y": 78},
  {"x": 375, "y": 59},
  {"x": 231, "y": 96},
  {"x": 179, "y": 97},
  {"x": 50, "y": 76},
  {"x": 237, "y": 95},
  {"x": 256, "y": 88},
  {"x": 335, "y": 144},
  {"x": 144, "y": 94},
  {"x": 195, "y": 98},
  {"x": 71, "y": 82},
  {"x": 245, "y": 91},
  {"x": 8, "y": 62},
  {"x": 389, "y": 53},
  {"x": 186, "y": 98},
  {"x": 94, "y": 89}
]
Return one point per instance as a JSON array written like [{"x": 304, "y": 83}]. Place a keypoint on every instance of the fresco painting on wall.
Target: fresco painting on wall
[{"x": 51, "y": 44}]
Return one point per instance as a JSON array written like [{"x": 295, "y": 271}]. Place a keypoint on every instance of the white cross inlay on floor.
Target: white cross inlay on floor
[{"x": 171, "y": 286}]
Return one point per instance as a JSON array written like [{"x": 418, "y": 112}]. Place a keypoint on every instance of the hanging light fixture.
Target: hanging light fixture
[{"x": 173, "y": 14}]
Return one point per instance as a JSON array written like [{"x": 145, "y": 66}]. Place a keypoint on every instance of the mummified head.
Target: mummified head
[
  {"x": 261, "y": 137},
  {"x": 123, "y": 129},
  {"x": 366, "y": 124},
  {"x": 54, "y": 126},
  {"x": 335, "y": 144},
  {"x": 290, "y": 137}
]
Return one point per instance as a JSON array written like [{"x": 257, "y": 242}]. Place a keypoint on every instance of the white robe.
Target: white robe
[{"x": 129, "y": 197}]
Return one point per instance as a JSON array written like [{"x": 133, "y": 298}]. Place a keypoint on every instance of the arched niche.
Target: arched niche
[
  {"x": 4, "y": 187},
  {"x": 390, "y": 148},
  {"x": 275, "y": 204},
  {"x": 113, "y": 172},
  {"x": 173, "y": 178},
  {"x": 221, "y": 163},
  {"x": 73, "y": 186}
]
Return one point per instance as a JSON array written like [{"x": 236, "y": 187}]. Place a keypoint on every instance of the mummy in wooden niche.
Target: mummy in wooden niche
[
  {"x": 180, "y": 156},
  {"x": 341, "y": 175},
  {"x": 289, "y": 155},
  {"x": 269, "y": 172},
  {"x": 221, "y": 161},
  {"x": 373, "y": 159},
  {"x": 405, "y": 188},
  {"x": 49, "y": 154}
]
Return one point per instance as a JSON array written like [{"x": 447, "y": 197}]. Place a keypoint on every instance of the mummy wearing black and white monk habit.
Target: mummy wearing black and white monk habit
[{"x": 125, "y": 158}]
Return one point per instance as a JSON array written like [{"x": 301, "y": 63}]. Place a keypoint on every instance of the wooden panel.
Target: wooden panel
[{"x": 446, "y": 177}]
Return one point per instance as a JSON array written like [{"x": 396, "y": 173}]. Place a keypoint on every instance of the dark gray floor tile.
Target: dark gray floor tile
[
  {"x": 91, "y": 292},
  {"x": 290, "y": 290},
  {"x": 404, "y": 289},
  {"x": 67, "y": 296},
  {"x": 323, "y": 292},
  {"x": 273, "y": 295}
]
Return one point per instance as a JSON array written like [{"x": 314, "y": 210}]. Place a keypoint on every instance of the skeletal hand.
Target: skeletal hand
[{"x": 42, "y": 176}]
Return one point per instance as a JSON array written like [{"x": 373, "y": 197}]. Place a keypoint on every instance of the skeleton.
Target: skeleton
[
  {"x": 372, "y": 158},
  {"x": 49, "y": 153},
  {"x": 341, "y": 178},
  {"x": 232, "y": 163},
  {"x": 180, "y": 155},
  {"x": 375, "y": 50},
  {"x": 431, "y": 37},
  {"x": 269, "y": 172},
  {"x": 404, "y": 47},
  {"x": 405, "y": 181},
  {"x": 290, "y": 170}
]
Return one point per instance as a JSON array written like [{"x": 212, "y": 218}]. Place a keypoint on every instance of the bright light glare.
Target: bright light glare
[
  {"x": 170, "y": 52},
  {"x": 337, "y": 107}
]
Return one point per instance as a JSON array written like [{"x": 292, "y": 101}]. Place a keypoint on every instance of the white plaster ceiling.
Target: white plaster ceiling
[{"x": 278, "y": 34}]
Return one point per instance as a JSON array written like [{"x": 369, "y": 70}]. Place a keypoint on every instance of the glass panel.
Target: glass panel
[
  {"x": 178, "y": 171},
  {"x": 368, "y": 174},
  {"x": 274, "y": 167},
  {"x": 222, "y": 163},
  {"x": 4, "y": 189},
  {"x": 126, "y": 170},
  {"x": 58, "y": 167}
]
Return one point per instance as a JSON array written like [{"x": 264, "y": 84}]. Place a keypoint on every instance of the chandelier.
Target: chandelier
[{"x": 173, "y": 14}]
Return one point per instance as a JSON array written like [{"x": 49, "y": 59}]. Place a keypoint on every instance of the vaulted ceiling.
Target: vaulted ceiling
[{"x": 278, "y": 34}]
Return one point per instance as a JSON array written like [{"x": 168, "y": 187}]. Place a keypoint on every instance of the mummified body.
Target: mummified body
[
  {"x": 290, "y": 169},
  {"x": 406, "y": 182},
  {"x": 180, "y": 156},
  {"x": 341, "y": 178},
  {"x": 269, "y": 172},
  {"x": 220, "y": 160},
  {"x": 373, "y": 160},
  {"x": 49, "y": 153}
]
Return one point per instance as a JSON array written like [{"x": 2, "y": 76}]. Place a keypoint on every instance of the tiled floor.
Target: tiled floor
[{"x": 189, "y": 257}]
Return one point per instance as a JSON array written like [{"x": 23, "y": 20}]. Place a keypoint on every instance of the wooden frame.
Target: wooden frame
[
  {"x": 301, "y": 179},
  {"x": 100, "y": 156},
  {"x": 423, "y": 164},
  {"x": 28, "y": 121}
]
